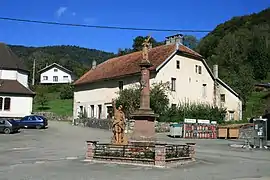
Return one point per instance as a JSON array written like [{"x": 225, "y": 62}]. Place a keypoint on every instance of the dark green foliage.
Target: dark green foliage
[
  {"x": 74, "y": 58},
  {"x": 66, "y": 91},
  {"x": 41, "y": 98},
  {"x": 190, "y": 41},
  {"x": 130, "y": 99},
  {"x": 241, "y": 48},
  {"x": 138, "y": 41}
]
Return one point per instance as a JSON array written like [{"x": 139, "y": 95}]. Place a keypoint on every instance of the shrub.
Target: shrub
[
  {"x": 194, "y": 111},
  {"x": 66, "y": 92},
  {"x": 42, "y": 100}
]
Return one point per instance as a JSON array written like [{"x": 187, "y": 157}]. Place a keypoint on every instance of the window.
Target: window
[
  {"x": 198, "y": 69},
  {"x": 55, "y": 70},
  {"x": 55, "y": 78},
  {"x": 177, "y": 64},
  {"x": 65, "y": 77},
  {"x": 204, "y": 93},
  {"x": 92, "y": 110},
  {"x": 99, "y": 111},
  {"x": 222, "y": 98},
  {"x": 231, "y": 115},
  {"x": 2, "y": 122},
  {"x": 173, "y": 83},
  {"x": 45, "y": 78},
  {"x": 1, "y": 103},
  {"x": 121, "y": 85},
  {"x": 6, "y": 104}
]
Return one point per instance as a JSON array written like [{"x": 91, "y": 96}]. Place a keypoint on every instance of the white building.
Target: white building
[
  {"x": 16, "y": 98},
  {"x": 55, "y": 74},
  {"x": 190, "y": 78}
]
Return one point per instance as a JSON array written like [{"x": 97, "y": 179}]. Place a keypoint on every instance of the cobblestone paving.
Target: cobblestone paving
[{"x": 58, "y": 153}]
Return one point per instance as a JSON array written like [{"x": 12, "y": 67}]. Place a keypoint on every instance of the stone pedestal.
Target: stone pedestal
[
  {"x": 144, "y": 126},
  {"x": 160, "y": 155},
  {"x": 192, "y": 149},
  {"x": 90, "y": 145}
]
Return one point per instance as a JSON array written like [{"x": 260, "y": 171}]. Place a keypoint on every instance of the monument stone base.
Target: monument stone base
[{"x": 144, "y": 126}]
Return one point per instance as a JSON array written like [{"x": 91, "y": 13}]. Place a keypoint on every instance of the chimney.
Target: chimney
[
  {"x": 215, "y": 71},
  {"x": 174, "y": 39},
  {"x": 94, "y": 64}
]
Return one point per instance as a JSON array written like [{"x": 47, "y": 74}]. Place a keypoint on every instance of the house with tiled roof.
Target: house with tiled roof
[
  {"x": 16, "y": 98},
  {"x": 55, "y": 74},
  {"x": 190, "y": 78}
]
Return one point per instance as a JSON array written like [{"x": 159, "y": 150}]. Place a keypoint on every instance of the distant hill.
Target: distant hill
[
  {"x": 241, "y": 48},
  {"x": 75, "y": 58}
]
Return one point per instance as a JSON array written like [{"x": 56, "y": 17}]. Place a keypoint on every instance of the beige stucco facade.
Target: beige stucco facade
[{"x": 192, "y": 82}]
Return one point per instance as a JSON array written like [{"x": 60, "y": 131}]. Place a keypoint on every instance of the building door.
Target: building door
[
  {"x": 109, "y": 112},
  {"x": 99, "y": 111}
]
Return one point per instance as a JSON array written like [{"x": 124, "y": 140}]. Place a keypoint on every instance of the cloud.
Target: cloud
[
  {"x": 89, "y": 20},
  {"x": 73, "y": 14},
  {"x": 61, "y": 11}
]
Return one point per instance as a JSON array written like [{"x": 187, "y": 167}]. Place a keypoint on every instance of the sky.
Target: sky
[{"x": 172, "y": 14}]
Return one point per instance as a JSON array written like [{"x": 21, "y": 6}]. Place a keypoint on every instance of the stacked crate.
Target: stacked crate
[{"x": 200, "y": 129}]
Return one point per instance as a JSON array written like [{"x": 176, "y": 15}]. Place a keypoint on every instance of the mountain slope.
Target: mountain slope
[
  {"x": 75, "y": 58},
  {"x": 241, "y": 48}
]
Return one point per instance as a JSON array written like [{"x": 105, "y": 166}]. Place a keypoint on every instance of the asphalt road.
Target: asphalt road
[{"x": 57, "y": 153}]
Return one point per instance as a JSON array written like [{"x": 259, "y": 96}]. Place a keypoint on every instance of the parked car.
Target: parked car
[
  {"x": 8, "y": 126},
  {"x": 33, "y": 121}
]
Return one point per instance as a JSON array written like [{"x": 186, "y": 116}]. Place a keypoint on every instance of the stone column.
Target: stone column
[
  {"x": 90, "y": 145},
  {"x": 191, "y": 150},
  {"x": 160, "y": 155}
]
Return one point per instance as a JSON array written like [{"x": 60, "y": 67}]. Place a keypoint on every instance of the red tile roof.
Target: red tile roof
[{"x": 129, "y": 64}]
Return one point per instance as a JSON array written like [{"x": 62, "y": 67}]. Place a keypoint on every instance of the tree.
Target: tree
[
  {"x": 138, "y": 41},
  {"x": 42, "y": 100},
  {"x": 190, "y": 41},
  {"x": 66, "y": 91},
  {"x": 130, "y": 98}
]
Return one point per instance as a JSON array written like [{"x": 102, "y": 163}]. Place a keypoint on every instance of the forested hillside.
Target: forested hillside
[
  {"x": 75, "y": 58},
  {"x": 241, "y": 48}
]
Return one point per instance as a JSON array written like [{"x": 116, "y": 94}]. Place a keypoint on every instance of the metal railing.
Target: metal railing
[
  {"x": 177, "y": 151},
  {"x": 143, "y": 153}
]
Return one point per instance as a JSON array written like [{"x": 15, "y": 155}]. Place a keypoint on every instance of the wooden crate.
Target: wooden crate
[
  {"x": 223, "y": 132},
  {"x": 233, "y": 133}
]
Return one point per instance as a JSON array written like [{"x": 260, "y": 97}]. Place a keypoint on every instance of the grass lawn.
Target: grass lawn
[{"x": 56, "y": 105}]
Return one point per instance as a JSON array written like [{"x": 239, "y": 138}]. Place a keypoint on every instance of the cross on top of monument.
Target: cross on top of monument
[{"x": 146, "y": 45}]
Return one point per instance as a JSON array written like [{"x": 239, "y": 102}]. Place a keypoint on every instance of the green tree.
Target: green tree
[
  {"x": 42, "y": 100},
  {"x": 130, "y": 98},
  {"x": 190, "y": 41},
  {"x": 66, "y": 91},
  {"x": 138, "y": 41}
]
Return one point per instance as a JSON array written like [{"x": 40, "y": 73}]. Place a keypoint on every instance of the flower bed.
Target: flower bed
[{"x": 154, "y": 154}]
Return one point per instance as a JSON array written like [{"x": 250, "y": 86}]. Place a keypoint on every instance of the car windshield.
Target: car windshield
[{"x": 12, "y": 121}]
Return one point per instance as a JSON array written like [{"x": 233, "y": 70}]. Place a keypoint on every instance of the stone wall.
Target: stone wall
[
  {"x": 107, "y": 124},
  {"x": 100, "y": 123},
  {"x": 54, "y": 117}
]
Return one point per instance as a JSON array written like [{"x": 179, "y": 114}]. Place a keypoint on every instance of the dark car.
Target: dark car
[
  {"x": 8, "y": 126},
  {"x": 33, "y": 121}
]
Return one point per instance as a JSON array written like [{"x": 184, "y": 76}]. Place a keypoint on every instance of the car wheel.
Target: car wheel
[
  {"x": 38, "y": 126},
  {"x": 7, "y": 131}
]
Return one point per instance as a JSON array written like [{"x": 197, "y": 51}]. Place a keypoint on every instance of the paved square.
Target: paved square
[{"x": 57, "y": 153}]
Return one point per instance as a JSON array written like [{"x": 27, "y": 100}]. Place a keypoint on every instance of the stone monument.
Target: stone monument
[
  {"x": 118, "y": 126},
  {"x": 144, "y": 126}
]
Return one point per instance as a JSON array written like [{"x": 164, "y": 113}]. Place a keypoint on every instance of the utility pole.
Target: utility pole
[{"x": 34, "y": 69}]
